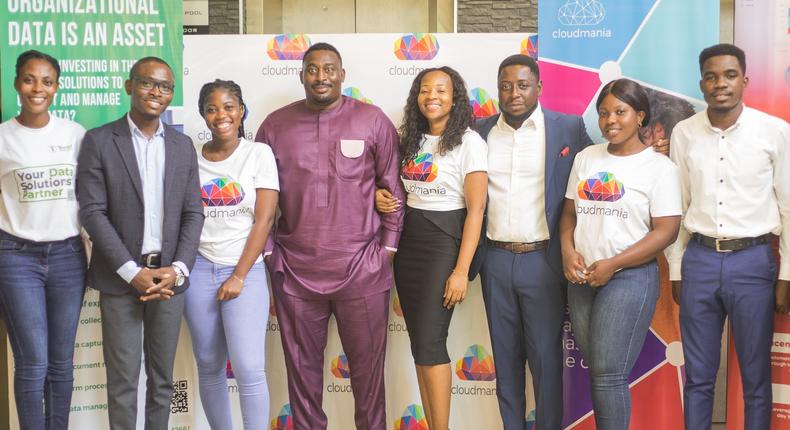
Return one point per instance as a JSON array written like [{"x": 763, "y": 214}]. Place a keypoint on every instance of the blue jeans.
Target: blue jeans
[
  {"x": 610, "y": 324},
  {"x": 234, "y": 329},
  {"x": 41, "y": 289}
]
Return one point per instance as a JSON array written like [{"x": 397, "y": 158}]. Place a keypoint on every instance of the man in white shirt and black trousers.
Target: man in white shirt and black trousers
[{"x": 735, "y": 176}]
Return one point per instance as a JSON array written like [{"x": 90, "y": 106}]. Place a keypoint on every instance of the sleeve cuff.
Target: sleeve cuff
[
  {"x": 391, "y": 249},
  {"x": 784, "y": 270},
  {"x": 128, "y": 271},
  {"x": 674, "y": 271},
  {"x": 182, "y": 266},
  {"x": 267, "y": 253},
  {"x": 389, "y": 238}
]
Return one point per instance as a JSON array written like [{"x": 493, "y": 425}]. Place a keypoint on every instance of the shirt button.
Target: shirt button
[
  {"x": 721, "y": 159},
  {"x": 721, "y": 180},
  {"x": 720, "y": 203},
  {"x": 721, "y": 225},
  {"x": 722, "y": 137}
]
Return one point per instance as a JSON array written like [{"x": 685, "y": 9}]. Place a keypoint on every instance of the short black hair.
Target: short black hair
[
  {"x": 32, "y": 54},
  {"x": 723, "y": 49},
  {"x": 520, "y": 60},
  {"x": 322, "y": 46},
  {"x": 140, "y": 62},
  {"x": 628, "y": 92}
]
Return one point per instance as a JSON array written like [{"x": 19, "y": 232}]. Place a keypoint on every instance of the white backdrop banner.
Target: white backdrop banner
[{"x": 379, "y": 69}]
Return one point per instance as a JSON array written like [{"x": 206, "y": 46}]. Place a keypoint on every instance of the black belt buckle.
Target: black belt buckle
[
  {"x": 152, "y": 260},
  {"x": 718, "y": 245}
]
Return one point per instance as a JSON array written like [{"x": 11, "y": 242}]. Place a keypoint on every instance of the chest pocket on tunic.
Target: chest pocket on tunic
[{"x": 350, "y": 159}]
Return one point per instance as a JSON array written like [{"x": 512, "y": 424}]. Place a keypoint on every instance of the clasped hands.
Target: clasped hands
[
  {"x": 155, "y": 284},
  {"x": 596, "y": 275}
]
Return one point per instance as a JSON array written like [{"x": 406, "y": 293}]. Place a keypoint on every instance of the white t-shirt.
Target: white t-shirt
[
  {"x": 37, "y": 179},
  {"x": 436, "y": 182},
  {"x": 615, "y": 197},
  {"x": 228, "y": 189}
]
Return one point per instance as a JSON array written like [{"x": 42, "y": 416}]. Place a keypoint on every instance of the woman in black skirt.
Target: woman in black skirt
[{"x": 444, "y": 173}]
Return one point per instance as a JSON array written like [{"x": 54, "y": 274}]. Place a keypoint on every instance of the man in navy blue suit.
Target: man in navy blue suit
[{"x": 530, "y": 154}]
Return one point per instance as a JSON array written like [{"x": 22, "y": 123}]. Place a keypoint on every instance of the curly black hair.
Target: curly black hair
[
  {"x": 233, "y": 88},
  {"x": 415, "y": 124}
]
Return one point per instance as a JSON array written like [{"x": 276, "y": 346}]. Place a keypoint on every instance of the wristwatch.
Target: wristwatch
[{"x": 180, "y": 278}]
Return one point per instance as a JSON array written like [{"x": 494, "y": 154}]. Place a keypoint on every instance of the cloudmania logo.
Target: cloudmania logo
[
  {"x": 477, "y": 365},
  {"x": 483, "y": 105},
  {"x": 356, "y": 94},
  {"x": 288, "y": 46},
  {"x": 529, "y": 46},
  {"x": 601, "y": 187},
  {"x": 413, "y": 419},
  {"x": 421, "y": 168},
  {"x": 340, "y": 367},
  {"x": 221, "y": 192},
  {"x": 284, "y": 420},
  {"x": 416, "y": 46}
]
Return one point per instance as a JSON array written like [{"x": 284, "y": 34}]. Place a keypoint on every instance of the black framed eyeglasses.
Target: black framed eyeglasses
[{"x": 148, "y": 85}]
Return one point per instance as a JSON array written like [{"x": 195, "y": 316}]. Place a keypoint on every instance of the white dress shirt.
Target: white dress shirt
[
  {"x": 150, "y": 155},
  {"x": 516, "y": 177},
  {"x": 735, "y": 182}
]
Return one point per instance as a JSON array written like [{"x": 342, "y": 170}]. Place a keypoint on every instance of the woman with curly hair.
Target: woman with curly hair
[{"x": 444, "y": 172}]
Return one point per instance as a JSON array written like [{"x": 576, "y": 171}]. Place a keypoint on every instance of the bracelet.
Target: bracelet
[{"x": 237, "y": 278}]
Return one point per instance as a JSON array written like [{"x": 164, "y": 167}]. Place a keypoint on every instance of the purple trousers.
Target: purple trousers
[
  {"x": 717, "y": 285},
  {"x": 362, "y": 326}
]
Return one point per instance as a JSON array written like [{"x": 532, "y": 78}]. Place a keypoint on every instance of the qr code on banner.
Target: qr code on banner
[{"x": 180, "y": 402}]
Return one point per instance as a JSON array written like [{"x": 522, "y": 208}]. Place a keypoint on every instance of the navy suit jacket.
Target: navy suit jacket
[
  {"x": 562, "y": 131},
  {"x": 109, "y": 190}
]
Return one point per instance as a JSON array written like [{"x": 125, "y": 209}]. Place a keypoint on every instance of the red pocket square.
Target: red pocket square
[{"x": 565, "y": 151}]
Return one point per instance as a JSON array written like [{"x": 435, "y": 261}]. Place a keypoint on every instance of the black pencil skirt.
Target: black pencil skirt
[{"x": 426, "y": 256}]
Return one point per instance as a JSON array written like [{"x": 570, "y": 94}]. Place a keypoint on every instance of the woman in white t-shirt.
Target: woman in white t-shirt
[
  {"x": 444, "y": 172},
  {"x": 42, "y": 259},
  {"x": 622, "y": 209},
  {"x": 227, "y": 303}
]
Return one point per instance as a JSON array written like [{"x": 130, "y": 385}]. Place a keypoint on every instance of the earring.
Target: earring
[{"x": 639, "y": 123}]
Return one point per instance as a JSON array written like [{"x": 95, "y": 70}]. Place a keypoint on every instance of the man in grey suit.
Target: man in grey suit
[{"x": 139, "y": 195}]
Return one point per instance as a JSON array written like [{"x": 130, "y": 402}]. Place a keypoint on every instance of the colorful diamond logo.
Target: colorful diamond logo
[
  {"x": 284, "y": 420},
  {"x": 529, "y": 46},
  {"x": 420, "y": 169},
  {"x": 601, "y": 187},
  {"x": 483, "y": 105},
  {"x": 340, "y": 367},
  {"x": 396, "y": 307},
  {"x": 413, "y": 419},
  {"x": 356, "y": 94},
  {"x": 229, "y": 371},
  {"x": 288, "y": 46},
  {"x": 477, "y": 365},
  {"x": 416, "y": 46},
  {"x": 221, "y": 192}
]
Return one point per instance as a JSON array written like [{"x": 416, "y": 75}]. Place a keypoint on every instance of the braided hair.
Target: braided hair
[{"x": 231, "y": 87}]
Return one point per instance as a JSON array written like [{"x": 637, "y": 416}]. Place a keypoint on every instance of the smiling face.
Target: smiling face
[
  {"x": 723, "y": 83},
  {"x": 223, "y": 115},
  {"x": 435, "y": 99},
  {"x": 322, "y": 77},
  {"x": 618, "y": 121},
  {"x": 145, "y": 88},
  {"x": 36, "y": 84},
  {"x": 519, "y": 90}
]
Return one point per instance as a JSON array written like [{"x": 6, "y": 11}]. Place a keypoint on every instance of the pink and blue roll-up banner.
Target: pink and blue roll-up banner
[
  {"x": 767, "y": 47},
  {"x": 584, "y": 44}
]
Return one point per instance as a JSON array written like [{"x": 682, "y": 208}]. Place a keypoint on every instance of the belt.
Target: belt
[
  {"x": 520, "y": 247},
  {"x": 730, "y": 245},
  {"x": 152, "y": 260}
]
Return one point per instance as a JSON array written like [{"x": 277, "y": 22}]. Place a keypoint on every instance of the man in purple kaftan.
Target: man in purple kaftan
[{"x": 332, "y": 250}]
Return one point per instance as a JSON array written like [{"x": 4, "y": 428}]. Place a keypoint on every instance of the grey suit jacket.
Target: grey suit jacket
[{"x": 109, "y": 190}]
